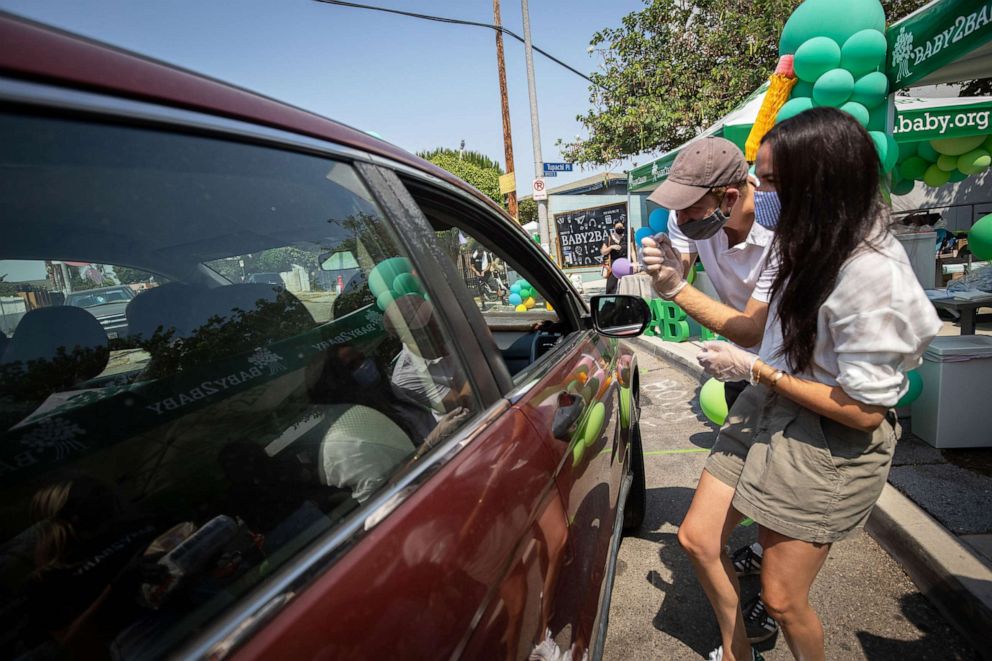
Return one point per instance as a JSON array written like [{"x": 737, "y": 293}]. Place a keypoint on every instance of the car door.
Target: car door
[
  {"x": 456, "y": 560},
  {"x": 569, "y": 394}
]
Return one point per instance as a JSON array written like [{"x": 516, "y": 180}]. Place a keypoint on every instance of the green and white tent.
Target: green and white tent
[
  {"x": 944, "y": 41},
  {"x": 735, "y": 127}
]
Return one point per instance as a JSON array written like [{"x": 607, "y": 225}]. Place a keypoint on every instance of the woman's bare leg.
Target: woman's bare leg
[
  {"x": 788, "y": 569},
  {"x": 703, "y": 534}
]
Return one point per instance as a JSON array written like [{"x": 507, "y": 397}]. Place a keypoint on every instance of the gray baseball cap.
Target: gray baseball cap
[{"x": 700, "y": 166}]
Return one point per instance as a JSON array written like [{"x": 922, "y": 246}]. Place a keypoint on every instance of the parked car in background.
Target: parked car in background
[
  {"x": 250, "y": 472},
  {"x": 107, "y": 304}
]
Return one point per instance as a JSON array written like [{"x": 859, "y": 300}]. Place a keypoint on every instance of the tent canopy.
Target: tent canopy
[{"x": 915, "y": 120}]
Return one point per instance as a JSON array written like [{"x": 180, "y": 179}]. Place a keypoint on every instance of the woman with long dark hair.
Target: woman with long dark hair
[{"x": 806, "y": 449}]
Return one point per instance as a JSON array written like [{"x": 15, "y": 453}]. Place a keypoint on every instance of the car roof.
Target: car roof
[{"x": 42, "y": 53}]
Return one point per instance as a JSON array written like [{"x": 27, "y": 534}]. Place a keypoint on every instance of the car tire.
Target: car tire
[{"x": 637, "y": 498}]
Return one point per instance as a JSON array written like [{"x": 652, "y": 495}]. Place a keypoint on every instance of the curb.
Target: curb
[
  {"x": 955, "y": 580},
  {"x": 690, "y": 367}
]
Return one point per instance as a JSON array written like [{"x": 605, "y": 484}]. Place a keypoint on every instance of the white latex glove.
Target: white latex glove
[
  {"x": 446, "y": 426},
  {"x": 726, "y": 362},
  {"x": 663, "y": 263}
]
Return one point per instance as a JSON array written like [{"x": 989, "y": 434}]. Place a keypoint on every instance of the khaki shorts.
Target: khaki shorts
[{"x": 796, "y": 472}]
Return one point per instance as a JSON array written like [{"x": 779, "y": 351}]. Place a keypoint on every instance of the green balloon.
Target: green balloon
[
  {"x": 878, "y": 117},
  {"x": 625, "y": 402},
  {"x": 801, "y": 88},
  {"x": 974, "y": 161},
  {"x": 948, "y": 163},
  {"x": 871, "y": 90},
  {"x": 915, "y": 388},
  {"x": 713, "y": 402},
  {"x": 858, "y": 111},
  {"x": 913, "y": 167},
  {"x": 833, "y": 88},
  {"x": 891, "y": 153},
  {"x": 815, "y": 57},
  {"x": 594, "y": 425},
  {"x": 958, "y": 146},
  {"x": 935, "y": 177},
  {"x": 903, "y": 187},
  {"x": 864, "y": 52},
  {"x": 793, "y": 108},
  {"x": 926, "y": 151},
  {"x": 381, "y": 278},
  {"x": 837, "y": 19},
  {"x": 384, "y": 299},
  {"x": 407, "y": 283},
  {"x": 881, "y": 146},
  {"x": 980, "y": 238},
  {"x": 957, "y": 176},
  {"x": 907, "y": 149}
]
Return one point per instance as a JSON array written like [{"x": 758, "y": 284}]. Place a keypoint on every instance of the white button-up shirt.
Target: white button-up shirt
[
  {"x": 873, "y": 327},
  {"x": 738, "y": 272}
]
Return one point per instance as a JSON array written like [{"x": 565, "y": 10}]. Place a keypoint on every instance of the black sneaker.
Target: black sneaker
[
  {"x": 747, "y": 559},
  {"x": 757, "y": 622}
]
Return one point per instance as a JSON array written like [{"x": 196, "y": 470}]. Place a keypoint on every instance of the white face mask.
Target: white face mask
[{"x": 767, "y": 208}]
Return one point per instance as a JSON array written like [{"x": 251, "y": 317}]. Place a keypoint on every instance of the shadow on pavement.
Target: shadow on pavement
[
  {"x": 685, "y": 612},
  {"x": 918, "y": 610}
]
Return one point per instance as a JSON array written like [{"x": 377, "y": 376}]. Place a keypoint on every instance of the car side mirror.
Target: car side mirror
[{"x": 619, "y": 315}]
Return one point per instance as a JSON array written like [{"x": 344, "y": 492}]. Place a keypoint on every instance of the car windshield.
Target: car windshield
[{"x": 237, "y": 407}]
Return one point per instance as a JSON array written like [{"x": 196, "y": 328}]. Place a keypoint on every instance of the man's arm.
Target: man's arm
[{"x": 742, "y": 328}]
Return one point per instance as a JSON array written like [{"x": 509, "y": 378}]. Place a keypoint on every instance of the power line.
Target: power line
[{"x": 457, "y": 21}]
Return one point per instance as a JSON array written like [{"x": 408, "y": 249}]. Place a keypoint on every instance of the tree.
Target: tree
[
  {"x": 527, "y": 210},
  {"x": 677, "y": 66},
  {"x": 475, "y": 168}
]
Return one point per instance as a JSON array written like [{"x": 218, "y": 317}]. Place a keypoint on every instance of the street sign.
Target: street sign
[
  {"x": 557, "y": 167},
  {"x": 507, "y": 183},
  {"x": 540, "y": 193},
  {"x": 550, "y": 174}
]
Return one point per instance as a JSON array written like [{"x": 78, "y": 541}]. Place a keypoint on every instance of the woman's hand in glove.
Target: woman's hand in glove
[
  {"x": 726, "y": 362},
  {"x": 664, "y": 264}
]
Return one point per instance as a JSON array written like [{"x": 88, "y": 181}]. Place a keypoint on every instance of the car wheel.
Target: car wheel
[{"x": 637, "y": 498}]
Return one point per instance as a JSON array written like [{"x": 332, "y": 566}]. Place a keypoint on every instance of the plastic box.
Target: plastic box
[
  {"x": 921, "y": 248},
  {"x": 953, "y": 409}
]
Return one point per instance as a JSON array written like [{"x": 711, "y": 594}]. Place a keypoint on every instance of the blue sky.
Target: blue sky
[{"x": 419, "y": 84}]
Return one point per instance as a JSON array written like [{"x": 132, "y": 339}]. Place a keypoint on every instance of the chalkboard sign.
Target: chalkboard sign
[{"x": 582, "y": 233}]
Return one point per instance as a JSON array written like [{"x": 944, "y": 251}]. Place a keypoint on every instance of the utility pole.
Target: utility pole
[
  {"x": 505, "y": 105},
  {"x": 535, "y": 129}
]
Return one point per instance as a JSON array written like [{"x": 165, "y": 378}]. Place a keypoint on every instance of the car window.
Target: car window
[
  {"x": 515, "y": 304},
  {"x": 164, "y": 454}
]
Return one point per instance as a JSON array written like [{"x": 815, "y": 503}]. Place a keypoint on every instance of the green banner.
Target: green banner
[
  {"x": 942, "y": 122},
  {"x": 934, "y": 37},
  {"x": 648, "y": 176}
]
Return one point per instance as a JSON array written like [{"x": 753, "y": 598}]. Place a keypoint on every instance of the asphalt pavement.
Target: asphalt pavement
[{"x": 869, "y": 606}]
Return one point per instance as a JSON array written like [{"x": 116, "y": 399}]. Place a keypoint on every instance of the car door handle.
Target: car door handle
[{"x": 569, "y": 411}]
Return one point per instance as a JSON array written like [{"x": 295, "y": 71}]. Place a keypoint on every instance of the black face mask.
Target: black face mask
[
  {"x": 621, "y": 231},
  {"x": 703, "y": 228}
]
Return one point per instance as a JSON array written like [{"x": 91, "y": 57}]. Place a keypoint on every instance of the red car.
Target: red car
[{"x": 370, "y": 468}]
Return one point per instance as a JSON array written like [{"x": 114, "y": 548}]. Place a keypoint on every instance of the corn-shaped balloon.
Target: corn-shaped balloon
[{"x": 779, "y": 87}]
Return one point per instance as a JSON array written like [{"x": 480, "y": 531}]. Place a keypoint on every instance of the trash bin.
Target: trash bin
[{"x": 952, "y": 411}]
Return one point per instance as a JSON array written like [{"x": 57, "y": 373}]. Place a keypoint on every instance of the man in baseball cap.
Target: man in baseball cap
[{"x": 713, "y": 199}]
